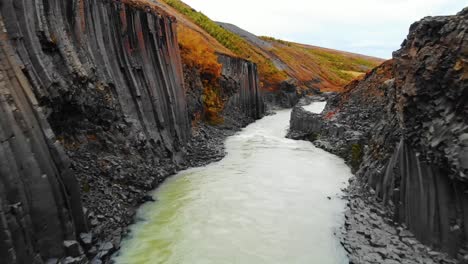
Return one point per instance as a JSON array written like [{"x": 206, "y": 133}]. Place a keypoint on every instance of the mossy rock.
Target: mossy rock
[
  {"x": 357, "y": 154},
  {"x": 313, "y": 137}
]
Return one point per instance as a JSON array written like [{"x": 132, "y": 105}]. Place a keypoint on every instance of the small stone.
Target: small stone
[
  {"x": 409, "y": 241},
  {"x": 52, "y": 261},
  {"x": 72, "y": 248},
  {"x": 96, "y": 261},
  {"x": 92, "y": 251},
  {"x": 405, "y": 233},
  {"x": 147, "y": 198},
  {"x": 378, "y": 242},
  {"x": 391, "y": 261},
  {"x": 86, "y": 238},
  {"x": 94, "y": 222},
  {"x": 71, "y": 260},
  {"x": 106, "y": 246}
]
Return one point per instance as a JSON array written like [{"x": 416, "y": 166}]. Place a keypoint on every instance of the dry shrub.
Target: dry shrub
[
  {"x": 213, "y": 104},
  {"x": 197, "y": 53}
]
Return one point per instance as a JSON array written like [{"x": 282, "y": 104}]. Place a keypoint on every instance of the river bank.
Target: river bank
[
  {"x": 405, "y": 139},
  {"x": 402, "y": 128},
  {"x": 370, "y": 233},
  {"x": 111, "y": 209},
  {"x": 267, "y": 201}
]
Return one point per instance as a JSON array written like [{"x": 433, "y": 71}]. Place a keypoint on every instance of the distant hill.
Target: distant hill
[
  {"x": 327, "y": 69},
  {"x": 311, "y": 66},
  {"x": 277, "y": 60}
]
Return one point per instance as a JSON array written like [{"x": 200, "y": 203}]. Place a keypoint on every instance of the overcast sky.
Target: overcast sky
[{"x": 371, "y": 27}]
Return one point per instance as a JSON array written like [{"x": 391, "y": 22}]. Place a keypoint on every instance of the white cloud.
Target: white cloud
[{"x": 342, "y": 24}]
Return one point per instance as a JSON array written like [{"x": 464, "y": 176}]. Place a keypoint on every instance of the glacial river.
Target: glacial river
[{"x": 271, "y": 200}]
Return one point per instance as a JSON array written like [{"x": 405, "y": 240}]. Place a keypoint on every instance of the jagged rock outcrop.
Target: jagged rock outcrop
[
  {"x": 404, "y": 129},
  {"x": 426, "y": 176},
  {"x": 239, "y": 90},
  {"x": 108, "y": 78},
  {"x": 345, "y": 124},
  {"x": 287, "y": 95},
  {"x": 240, "y": 84},
  {"x": 243, "y": 103}
]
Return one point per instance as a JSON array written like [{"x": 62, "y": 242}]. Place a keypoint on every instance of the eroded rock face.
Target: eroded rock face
[
  {"x": 240, "y": 84},
  {"x": 403, "y": 130},
  {"x": 426, "y": 176},
  {"x": 108, "y": 78},
  {"x": 287, "y": 96},
  {"x": 40, "y": 204}
]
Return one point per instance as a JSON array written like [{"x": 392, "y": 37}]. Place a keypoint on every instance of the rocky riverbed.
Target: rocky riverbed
[
  {"x": 112, "y": 207},
  {"x": 403, "y": 130},
  {"x": 371, "y": 235}
]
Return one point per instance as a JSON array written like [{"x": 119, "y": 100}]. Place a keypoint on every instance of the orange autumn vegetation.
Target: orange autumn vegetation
[
  {"x": 213, "y": 104},
  {"x": 146, "y": 6},
  {"x": 326, "y": 69},
  {"x": 333, "y": 68},
  {"x": 197, "y": 53},
  {"x": 270, "y": 76}
]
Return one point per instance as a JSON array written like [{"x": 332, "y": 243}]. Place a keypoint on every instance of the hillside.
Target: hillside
[
  {"x": 312, "y": 67},
  {"x": 326, "y": 69},
  {"x": 277, "y": 60},
  {"x": 195, "y": 25}
]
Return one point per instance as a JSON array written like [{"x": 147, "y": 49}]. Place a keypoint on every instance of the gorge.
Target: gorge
[
  {"x": 102, "y": 100},
  {"x": 245, "y": 209}
]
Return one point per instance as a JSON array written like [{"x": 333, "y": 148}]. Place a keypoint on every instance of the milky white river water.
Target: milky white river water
[{"x": 266, "y": 202}]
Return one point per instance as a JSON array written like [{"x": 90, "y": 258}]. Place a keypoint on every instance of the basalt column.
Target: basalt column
[{"x": 40, "y": 204}]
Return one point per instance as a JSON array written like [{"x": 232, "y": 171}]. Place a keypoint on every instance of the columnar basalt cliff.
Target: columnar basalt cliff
[
  {"x": 40, "y": 204},
  {"x": 237, "y": 87},
  {"x": 240, "y": 99},
  {"x": 404, "y": 131},
  {"x": 106, "y": 78},
  {"x": 241, "y": 86}
]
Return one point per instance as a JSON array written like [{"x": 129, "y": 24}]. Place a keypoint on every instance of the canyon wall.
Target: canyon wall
[
  {"x": 108, "y": 76},
  {"x": 240, "y": 83},
  {"x": 40, "y": 204},
  {"x": 93, "y": 100},
  {"x": 404, "y": 131}
]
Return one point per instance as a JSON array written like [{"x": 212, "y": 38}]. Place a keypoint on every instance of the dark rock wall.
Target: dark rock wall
[
  {"x": 429, "y": 167},
  {"x": 240, "y": 84},
  {"x": 108, "y": 75},
  {"x": 287, "y": 96},
  {"x": 40, "y": 204},
  {"x": 304, "y": 124},
  {"x": 404, "y": 131},
  {"x": 106, "y": 78},
  {"x": 98, "y": 62}
]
